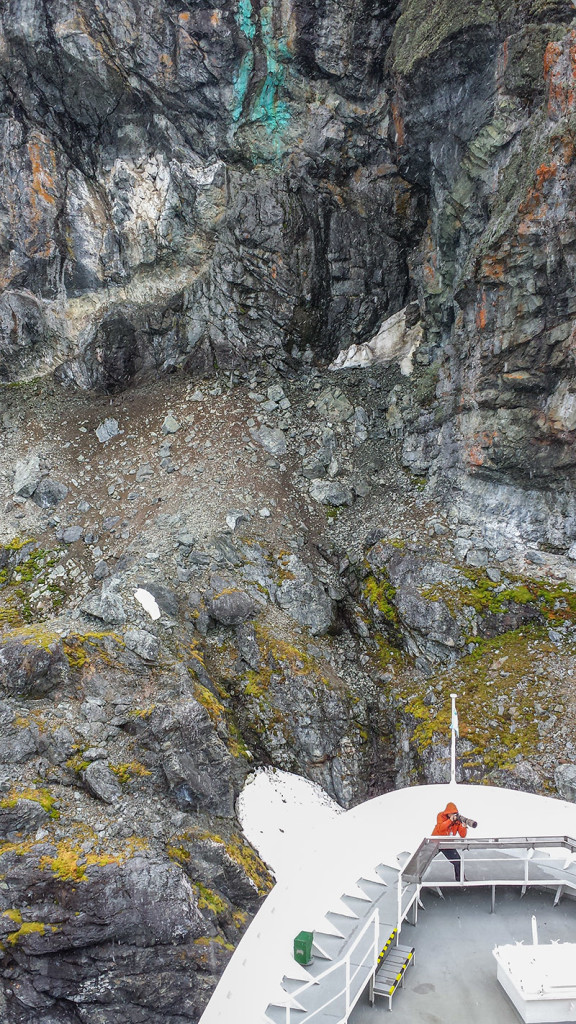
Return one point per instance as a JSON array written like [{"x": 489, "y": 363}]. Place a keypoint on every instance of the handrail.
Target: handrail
[
  {"x": 416, "y": 867},
  {"x": 373, "y": 920},
  {"x": 422, "y": 858},
  {"x": 472, "y": 843}
]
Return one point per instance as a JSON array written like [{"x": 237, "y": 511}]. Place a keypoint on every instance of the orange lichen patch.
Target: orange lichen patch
[
  {"x": 552, "y": 54},
  {"x": 492, "y": 268},
  {"x": 184, "y": 16},
  {"x": 165, "y": 66},
  {"x": 274, "y": 271},
  {"x": 477, "y": 450},
  {"x": 532, "y": 221},
  {"x": 518, "y": 376},
  {"x": 475, "y": 455},
  {"x": 398, "y": 123},
  {"x": 43, "y": 165},
  {"x": 544, "y": 172},
  {"x": 560, "y": 71},
  {"x": 481, "y": 313},
  {"x": 215, "y": 18}
]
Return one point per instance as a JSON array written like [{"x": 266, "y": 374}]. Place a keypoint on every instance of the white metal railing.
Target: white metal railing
[
  {"x": 410, "y": 882},
  {"x": 494, "y": 869},
  {"x": 370, "y": 958}
]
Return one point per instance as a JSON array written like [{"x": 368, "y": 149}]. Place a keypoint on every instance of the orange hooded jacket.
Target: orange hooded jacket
[{"x": 445, "y": 827}]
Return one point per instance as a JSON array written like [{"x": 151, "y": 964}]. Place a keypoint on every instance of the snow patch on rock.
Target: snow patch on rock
[
  {"x": 394, "y": 342},
  {"x": 148, "y": 602}
]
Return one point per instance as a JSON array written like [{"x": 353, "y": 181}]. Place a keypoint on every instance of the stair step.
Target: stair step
[
  {"x": 345, "y": 925},
  {"x": 358, "y": 907},
  {"x": 329, "y": 946},
  {"x": 277, "y": 1014},
  {"x": 372, "y": 889}
]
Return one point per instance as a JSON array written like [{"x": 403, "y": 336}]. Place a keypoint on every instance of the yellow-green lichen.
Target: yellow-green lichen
[
  {"x": 209, "y": 900},
  {"x": 128, "y": 771},
  {"x": 379, "y": 593},
  {"x": 40, "y": 796}
]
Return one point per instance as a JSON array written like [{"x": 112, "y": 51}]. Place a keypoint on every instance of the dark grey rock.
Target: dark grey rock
[
  {"x": 107, "y": 430},
  {"x": 331, "y": 492},
  {"x": 170, "y": 424},
  {"x": 27, "y": 476},
  {"x": 186, "y": 538},
  {"x": 235, "y": 518},
  {"x": 272, "y": 439},
  {"x": 200, "y": 772},
  {"x": 101, "y": 782},
  {"x": 71, "y": 534},
  {"x": 32, "y": 667},
  {"x": 106, "y": 605},
  {"x": 231, "y": 607},
  {"x": 307, "y": 603},
  {"x": 49, "y": 493},
  {"x": 315, "y": 466},
  {"x": 101, "y": 570},
  {"x": 20, "y": 740},
  {"x": 21, "y": 816},
  {"x": 165, "y": 598},
  {"x": 247, "y": 644},
  {"x": 565, "y": 779},
  {"x": 333, "y": 405},
  {"x": 142, "y": 643}
]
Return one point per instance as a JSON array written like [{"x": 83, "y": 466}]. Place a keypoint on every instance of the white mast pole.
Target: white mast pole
[{"x": 453, "y": 728}]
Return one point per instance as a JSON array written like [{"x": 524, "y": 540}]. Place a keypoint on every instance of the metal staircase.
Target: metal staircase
[
  {"x": 349, "y": 941},
  {"x": 346, "y": 948}
]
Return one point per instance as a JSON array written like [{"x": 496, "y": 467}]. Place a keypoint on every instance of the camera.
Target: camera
[{"x": 469, "y": 822}]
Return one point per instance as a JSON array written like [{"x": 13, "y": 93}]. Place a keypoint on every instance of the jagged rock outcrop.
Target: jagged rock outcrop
[
  {"x": 483, "y": 122},
  {"x": 367, "y": 209},
  {"x": 210, "y": 192}
]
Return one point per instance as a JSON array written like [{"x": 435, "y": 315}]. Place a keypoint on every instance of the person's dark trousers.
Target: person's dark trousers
[{"x": 456, "y": 860}]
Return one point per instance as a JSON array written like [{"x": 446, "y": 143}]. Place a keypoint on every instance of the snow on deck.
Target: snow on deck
[{"x": 317, "y": 852}]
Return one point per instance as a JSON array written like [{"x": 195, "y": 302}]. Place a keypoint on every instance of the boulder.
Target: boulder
[
  {"x": 302, "y": 597},
  {"x": 232, "y": 607},
  {"x": 333, "y": 405},
  {"x": 142, "y": 643},
  {"x": 170, "y": 424},
  {"x": 20, "y": 815},
  {"x": 49, "y": 493},
  {"x": 331, "y": 492},
  {"x": 32, "y": 665},
  {"x": 106, "y": 605},
  {"x": 101, "y": 783},
  {"x": 71, "y": 534},
  {"x": 200, "y": 772},
  {"x": 165, "y": 598},
  {"x": 19, "y": 736},
  {"x": 107, "y": 430},
  {"x": 565, "y": 779},
  {"x": 308, "y": 603},
  {"x": 272, "y": 439},
  {"x": 27, "y": 476}
]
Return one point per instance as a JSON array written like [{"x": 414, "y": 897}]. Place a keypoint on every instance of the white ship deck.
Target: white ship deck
[
  {"x": 357, "y": 875},
  {"x": 454, "y": 976}
]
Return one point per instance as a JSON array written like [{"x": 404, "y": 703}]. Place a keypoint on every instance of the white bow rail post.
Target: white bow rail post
[{"x": 454, "y": 731}]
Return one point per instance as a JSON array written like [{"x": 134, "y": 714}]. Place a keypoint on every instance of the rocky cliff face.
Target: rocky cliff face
[
  {"x": 196, "y": 187},
  {"x": 204, "y": 212}
]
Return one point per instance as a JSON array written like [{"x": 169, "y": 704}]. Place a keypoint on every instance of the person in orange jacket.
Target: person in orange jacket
[{"x": 448, "y": 824}]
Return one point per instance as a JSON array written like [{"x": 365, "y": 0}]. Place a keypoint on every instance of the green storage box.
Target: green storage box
[{"x": 303, "y": 948}]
